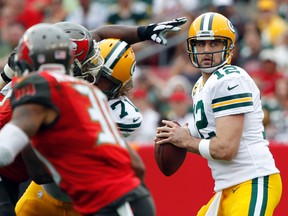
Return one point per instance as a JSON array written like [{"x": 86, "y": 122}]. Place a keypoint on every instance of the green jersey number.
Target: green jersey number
[
  {"x": 227, "y": 70},
  {"x": 123, "y": 109},
  {"x": 202, "y": 122}
]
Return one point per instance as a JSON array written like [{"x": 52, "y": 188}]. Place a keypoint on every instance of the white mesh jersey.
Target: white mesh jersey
[
  {"x": 230, "y": 90},
  {"x": 125, "y": 114}
]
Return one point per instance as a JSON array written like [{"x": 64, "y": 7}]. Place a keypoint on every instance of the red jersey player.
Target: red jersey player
[
  {"x": 152, "y": 32},
  {"x": 11, "y": 176},
  {"x": 70, "y": 126}
]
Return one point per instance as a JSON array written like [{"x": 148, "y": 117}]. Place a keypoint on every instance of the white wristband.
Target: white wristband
[
  {"x": 8, "y": 71},
  {"x": 204, "y": 149},
  {"x": 13, "y": 140}
]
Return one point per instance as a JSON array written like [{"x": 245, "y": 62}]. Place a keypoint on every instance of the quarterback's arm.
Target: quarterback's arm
[
  {"x": 134, "y": 34},
  {"x": 229, "y": 132},
  {"x": 26, "y": 121}
]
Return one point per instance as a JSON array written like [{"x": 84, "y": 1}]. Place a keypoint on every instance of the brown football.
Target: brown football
[{"x": 169, "y": 157}]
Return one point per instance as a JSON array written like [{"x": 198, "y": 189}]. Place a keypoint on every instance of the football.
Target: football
[{"x": 169, "y": 157}]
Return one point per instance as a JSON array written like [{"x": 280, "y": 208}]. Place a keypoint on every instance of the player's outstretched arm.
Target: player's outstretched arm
[
  {"x": 133, "y": 34},
  {"x": 7, "y": 73},
  {"x": 25, "y": 122}
]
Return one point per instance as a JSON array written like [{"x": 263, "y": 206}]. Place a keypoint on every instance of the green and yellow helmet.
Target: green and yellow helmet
[
  {"x": 211, "y": 26},
  {"x": 119, "y": 64}
]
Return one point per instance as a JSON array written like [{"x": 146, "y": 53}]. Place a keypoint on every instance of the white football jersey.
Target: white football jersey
[
  {"x": 125, "y": 114},
  {"x": 230, "y": 90}
]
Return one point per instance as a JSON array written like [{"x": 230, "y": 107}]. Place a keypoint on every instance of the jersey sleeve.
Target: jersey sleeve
[
  {"x": 5, "y": 89},
  {"x": 233, "y": 94},
  {"x": 32, "y": 89},
  {"x": 126, "y": 115}
]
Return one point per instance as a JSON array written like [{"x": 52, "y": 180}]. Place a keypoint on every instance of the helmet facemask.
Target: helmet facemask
[
  {"x": 90, "y": 68},
  {"x": 226, "y": 53},
  {"x": 114, "y": 84}
]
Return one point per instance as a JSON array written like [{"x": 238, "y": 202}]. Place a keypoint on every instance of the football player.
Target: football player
[
  {"x": 76, "y": 139},
  {"x": 115, "y": 81},
  {"x": 86, "y": 58},
  {"x": 14, "y": 174},
  {"x": 229, "y": 128}
]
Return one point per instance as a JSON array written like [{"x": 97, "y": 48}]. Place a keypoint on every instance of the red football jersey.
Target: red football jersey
[
  {"x": 83, "y": 148},
  {"x": 16, "y": 171}
]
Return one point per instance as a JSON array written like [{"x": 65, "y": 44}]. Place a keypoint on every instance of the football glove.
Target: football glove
[
  {"x": 157, "y": 31},
  {"x": 9, "y": 69}
]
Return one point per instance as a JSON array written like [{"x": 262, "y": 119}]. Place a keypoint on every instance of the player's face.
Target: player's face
[
  {"x": 104, "y": 84},
  {"x": 211, "y": 52}
]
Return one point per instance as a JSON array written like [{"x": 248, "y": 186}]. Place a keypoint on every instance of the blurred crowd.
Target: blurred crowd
[{"x": 164, "y": 78}]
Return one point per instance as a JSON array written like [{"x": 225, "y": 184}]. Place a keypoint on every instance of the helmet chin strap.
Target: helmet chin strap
[{"x": 212, "y": 69}]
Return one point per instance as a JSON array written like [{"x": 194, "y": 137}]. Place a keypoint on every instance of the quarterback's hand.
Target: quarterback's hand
[{"x": 156, "y": 31}]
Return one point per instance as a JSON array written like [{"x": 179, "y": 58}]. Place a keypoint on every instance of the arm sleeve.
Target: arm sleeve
[
  {"x": 232, "y": 95},
  {"x": 33, "y": 89},
  {"x": 13, "y": 140}
]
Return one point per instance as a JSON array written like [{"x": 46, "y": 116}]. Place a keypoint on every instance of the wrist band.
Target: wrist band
[
  {"x": 6, "y": 75},
  {"x": 204, "y": 149},
  {"x": 5, "y": 79},
  {"x": 13, "y": 140},
  {"x": 8, "y": 71},
  {"x": 2, "y": 80},
  {"x": 140, "y": 33}
]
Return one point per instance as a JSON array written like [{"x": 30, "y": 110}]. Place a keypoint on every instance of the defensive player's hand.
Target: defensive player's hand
[
  {"x": 9, "y": 69},
  {"x": 157, "y": 31},
  {"x": 11, "y": 59}
]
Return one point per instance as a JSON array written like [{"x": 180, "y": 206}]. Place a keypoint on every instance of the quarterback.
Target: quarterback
[{"x": 229, "y": 131}]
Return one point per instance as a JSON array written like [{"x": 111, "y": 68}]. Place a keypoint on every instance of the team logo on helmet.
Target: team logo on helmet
[
  {"x": 230, "y": 25},
  {"x": 133, "y": 68},
  {"x": 80, "y": 49}
]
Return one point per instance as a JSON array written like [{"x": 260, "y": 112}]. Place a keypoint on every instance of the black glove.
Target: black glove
[
  {"x": 156, "y": 31},
  {"x": 9, "y": 69}
]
